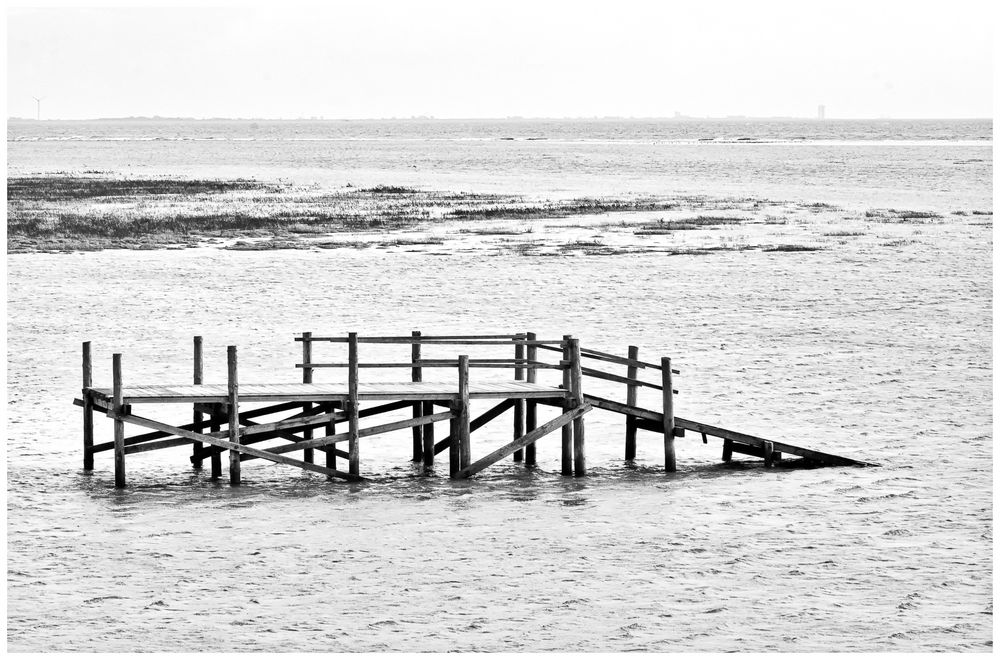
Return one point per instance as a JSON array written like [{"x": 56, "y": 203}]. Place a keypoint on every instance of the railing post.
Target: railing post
[
  {"x": 464, "y": 432},
  {"x": 631, "y": 399},
  {"x": 576, "y": 387},
  {"x": 418, "y": 407},
  {"x": 119, "y": 405},
  {"x": 233, "y": 403},
  {"x": 531, "y": 407},
  {"x": 669, "y": 459},
  {"x": 354, "y": 450},
  {"x": 567, "y": 429},
  {"x": 518, "y": 403},
  {"x": 88, "y": 409},
  {"x": 196, "y": 417},
  {"x": 307, "y": 377}
]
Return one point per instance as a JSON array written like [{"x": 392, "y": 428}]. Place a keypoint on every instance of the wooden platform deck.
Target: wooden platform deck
[{"x": 307, "y": 392}]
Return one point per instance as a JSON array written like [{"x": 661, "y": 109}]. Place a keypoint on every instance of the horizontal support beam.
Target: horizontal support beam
[
  {"x": 524, "y": 440},
  {"x": 206, "y": 408}
]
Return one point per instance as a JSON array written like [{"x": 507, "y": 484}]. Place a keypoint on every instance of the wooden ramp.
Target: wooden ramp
[
  {"x": 222, "y": 422},
  {"x": 733, "y": 441}
]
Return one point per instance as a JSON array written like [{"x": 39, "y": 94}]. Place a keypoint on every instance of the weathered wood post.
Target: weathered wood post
[
  {"x": 197, "y": 417},
  {"x": 576, "y": 387},
  {"x": 631, "y": 399},
  {"x": 428, "y": 433},
  {"x": 518, "y": 403},
  {"x": 331, "y": 453},
  {"x": 418, "y": 407},
  {"x": 567, "y": 429},
  {"x": 727, "y": 450},
  {"x": 216, "y": 460},
  {"x": 307, "y": 377},
  {"x": 88, "y": 409},
  {"x": 233, "y": 403},
  {"x": 119, "y": 410},
  {"x": 531, "y": 409},
  {"x": 768, "y": 453},
  {"x": 464, "y": 432},
  {"x": 669, "y": 459},
  {"x": 354, "y": 449}
]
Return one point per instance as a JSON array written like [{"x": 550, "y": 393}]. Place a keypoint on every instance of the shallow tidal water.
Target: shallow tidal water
[
  {"x": 877, "y": 346},
  {"x": 874, "y": 349}
]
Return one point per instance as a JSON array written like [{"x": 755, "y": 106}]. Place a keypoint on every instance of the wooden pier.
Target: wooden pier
[{"x": 310, "y": 412}]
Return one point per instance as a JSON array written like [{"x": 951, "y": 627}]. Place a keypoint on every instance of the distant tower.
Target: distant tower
[
  {"x": 38, "y": 107},
  {"x": 821, "y": 112}
]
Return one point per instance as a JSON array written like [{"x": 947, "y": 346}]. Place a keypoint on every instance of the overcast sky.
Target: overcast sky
[{"x": 501, "y": 58}]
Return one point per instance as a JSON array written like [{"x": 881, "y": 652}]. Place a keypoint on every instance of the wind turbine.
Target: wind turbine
[{"x": 38, "y": 107}]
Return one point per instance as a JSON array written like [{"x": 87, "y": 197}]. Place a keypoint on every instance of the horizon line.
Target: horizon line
[{"x": 676, "y": 117}]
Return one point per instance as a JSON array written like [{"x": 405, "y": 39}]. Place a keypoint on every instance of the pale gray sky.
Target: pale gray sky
[{"x": 511, "y": 57}]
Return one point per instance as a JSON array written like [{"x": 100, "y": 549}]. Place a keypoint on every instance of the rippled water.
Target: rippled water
[{"x": 877, "y": 347}]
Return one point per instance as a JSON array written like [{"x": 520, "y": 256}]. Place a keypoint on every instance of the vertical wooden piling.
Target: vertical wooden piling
[
  {"x": 119, "y": 405},
  {"x": 428, "y": 434},
  {"x": 88, "y": 409},
  {"x": 454, "y": 446},
  {"x": 464, "y": 432},
  {"x": 233, "y": 404},
  {"x": 631, "y": 399},
  {"x": 418, "y": 407},
  {"x": 669, "y": 458},
  {"x": 307, "y": 377},
  {"x": 354, "y": 449},
  {"x": 567, "y": 429},
  {"x": 216, "y": 460},
  {"x": 727, "y": 450},
  {"x": 768, "y": 453},
  {"x": 197, "y": 417},
  {"x": 331, "y": 454},
  {"x": 531, "y": 407},
  {"x": 518, "y": 403},
  {"x": 576, "y": 387}
]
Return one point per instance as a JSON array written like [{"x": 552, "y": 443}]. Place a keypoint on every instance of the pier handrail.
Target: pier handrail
[
  {"x": 482, "y": 363},
  {"x": 519, "y": 363}
]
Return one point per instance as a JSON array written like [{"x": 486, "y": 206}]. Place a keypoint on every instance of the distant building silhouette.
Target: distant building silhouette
[{"x": 821, "y": 112}]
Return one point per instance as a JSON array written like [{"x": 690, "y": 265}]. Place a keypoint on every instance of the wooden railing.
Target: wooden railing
[{"x": 525, "y": 363}]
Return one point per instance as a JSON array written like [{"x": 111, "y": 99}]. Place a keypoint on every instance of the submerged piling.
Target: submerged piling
[
  {"x": 119, "y": 424},
  {"x": 197, "y": 417},
  {"x": 669, "y": 457},
  {"x": 88, "y": 409},
  {"x": 234, "y": 416}
]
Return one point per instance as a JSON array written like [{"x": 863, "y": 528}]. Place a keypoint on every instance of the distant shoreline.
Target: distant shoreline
[
  {"x": 99, "y": 211},
  {"x": 682, "y": 118}
]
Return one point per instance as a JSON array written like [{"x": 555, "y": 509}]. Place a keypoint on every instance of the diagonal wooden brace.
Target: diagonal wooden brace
[
  {"x": 525, "y": 440},
  {"x": 225, "y": 444},
  {"x": 479, "y": 422}
]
